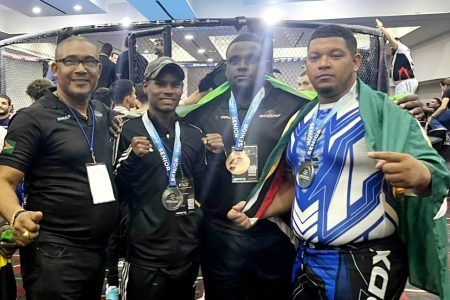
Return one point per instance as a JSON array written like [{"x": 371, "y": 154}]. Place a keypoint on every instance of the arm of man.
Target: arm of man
[
  {"x": 392, "y": 41},
  {"x": 281, "y": 204},
  {"x": 23, "y": 222},
  {"x": 404, "y": 171}
]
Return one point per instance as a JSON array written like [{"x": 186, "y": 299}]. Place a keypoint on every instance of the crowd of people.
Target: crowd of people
[{"x": 328, "y": 192}]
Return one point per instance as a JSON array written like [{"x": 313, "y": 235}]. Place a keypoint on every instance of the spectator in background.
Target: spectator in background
[
  {"x": 2, "y": 137},
  {"x": 103, "y": 95},
  {"x": 123, "y": 96},
  {"x": 5, "y": 111},
  {"x": 123, "y": 67},
  {"x": 402, "y": 65},
  {"x": 141, "y": 98},
  {"x": 114, "y": 56},
  {"x": 442, "y": 114},
  {"x": 37, "y": 88},
  {"x": 108, "y": 74},
  {"x": 304, "y": 84}
]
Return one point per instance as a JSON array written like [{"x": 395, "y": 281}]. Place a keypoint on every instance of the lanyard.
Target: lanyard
[
  {"x": 171, "y": 167},
  {"x": 314, "y": 132},
  {"x": 239, "y": 131},
  {"x": 91, "y": 142}
]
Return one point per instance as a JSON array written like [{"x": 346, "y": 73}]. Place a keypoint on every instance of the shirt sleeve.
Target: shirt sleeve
[
  {"x": 402, "y": 48},
  {"x": 22, "y": 142}
]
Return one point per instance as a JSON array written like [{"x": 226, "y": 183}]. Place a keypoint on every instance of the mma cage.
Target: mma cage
[{"x": 198, "y": 45}]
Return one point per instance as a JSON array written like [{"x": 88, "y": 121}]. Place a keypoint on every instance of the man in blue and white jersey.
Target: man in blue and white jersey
[{"x": 344, "y": 188}]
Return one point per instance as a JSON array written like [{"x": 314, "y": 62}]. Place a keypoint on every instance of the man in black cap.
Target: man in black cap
[{"x": 159, "y": 174}]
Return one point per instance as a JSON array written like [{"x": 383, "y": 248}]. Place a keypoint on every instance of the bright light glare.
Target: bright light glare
[
  {"x": 36, "y": 10},
  {"x": 125, "y": 22},
  {"x": 201, "y": 50},
  {"x": 210, "y": 60},
  {"x": 78, "y": 7},
  {"x": 272, "y": 15},
  {"x": 189, "y": 37}
]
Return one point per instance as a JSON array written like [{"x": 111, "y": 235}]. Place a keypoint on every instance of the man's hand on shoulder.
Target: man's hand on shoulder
[{"x": 414, "y": 106}]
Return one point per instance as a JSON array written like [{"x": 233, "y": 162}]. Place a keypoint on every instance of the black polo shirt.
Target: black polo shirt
[
  {"x": 275, "y": 110},
  {"x": 157, "y": 237},
  {"x": 49, "y": 147}
]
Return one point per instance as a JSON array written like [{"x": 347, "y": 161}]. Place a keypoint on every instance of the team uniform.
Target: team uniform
[
  {"x": 46, "y": 143},
  {"x": 402, "y": 71},
  {"x": 162, "y": 255},
  {"x": 255, "y": 263},
  {"x": 346, "y": 218}
]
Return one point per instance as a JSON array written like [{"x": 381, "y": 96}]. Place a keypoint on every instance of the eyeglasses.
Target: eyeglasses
[{"x": 73, "y": 61}]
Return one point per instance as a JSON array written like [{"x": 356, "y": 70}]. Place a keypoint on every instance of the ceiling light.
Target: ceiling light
[
  {"x": 146, "y": 51},
  {"x": 36, "y": 10},
  {"x": 210, "y": 60},
  {"x": 189, "y": 37},
  {"x": 272, "y": 15},
  {"x": 125, "y": 22},
  {"x": 77, "y": 7},
  {"x": 201, "y": 50}
]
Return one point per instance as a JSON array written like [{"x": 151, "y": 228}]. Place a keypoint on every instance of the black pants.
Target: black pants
[
  {"x": 375, "y": 269},
  {"x": 60, "y": 272},
  {"x": 251, "y": 265},
  {"x": 158, "y": 283},
  {"x": 7, "y": 283}
]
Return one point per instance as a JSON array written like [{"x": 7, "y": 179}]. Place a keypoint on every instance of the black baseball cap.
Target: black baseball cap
[{"x": 155, "y": 67}]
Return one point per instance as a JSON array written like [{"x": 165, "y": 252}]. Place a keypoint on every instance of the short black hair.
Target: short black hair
[
  {"x": 120, "y": 89},
  {"x": 103, "y": 95},
  {"x": 37, "y": 88},
  {"x": 140, "y": 95},
  {"x": 7, "y": 98},
  {"x": 245, "y": 37},
  {"x": 445, "y": 81},
  {"x": 328, "y": 31},
  {"x": 106, "y": 49},
  {"x": 75, "y": 38}
]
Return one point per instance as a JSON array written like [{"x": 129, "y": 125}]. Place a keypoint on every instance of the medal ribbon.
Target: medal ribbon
[
  {"x": 171, "y": 167},
  {"x": 314, "y": 132},
  {"x": 239, "y": 131},
  {"x": 91, "y": 142}
]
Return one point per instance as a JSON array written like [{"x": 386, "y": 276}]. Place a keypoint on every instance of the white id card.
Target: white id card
[{"x": 100, "y": 183}]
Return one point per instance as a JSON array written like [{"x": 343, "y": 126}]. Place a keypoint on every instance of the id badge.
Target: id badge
[
  {"x": 252, "y": 173},
  {"x": 186, "y": 186},
  {"x": 100, "y": 183}
]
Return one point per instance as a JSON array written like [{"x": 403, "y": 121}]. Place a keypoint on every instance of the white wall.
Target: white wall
[{"x": 432, "y": 58}]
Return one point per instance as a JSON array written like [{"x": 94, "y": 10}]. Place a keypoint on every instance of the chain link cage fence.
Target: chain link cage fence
[
  {"x": 198, "y": 45},
  {"x": 21, "y": 63}
]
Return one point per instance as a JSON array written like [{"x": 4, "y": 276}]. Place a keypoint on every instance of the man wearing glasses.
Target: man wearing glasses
[{"x": 61, "y": 145}]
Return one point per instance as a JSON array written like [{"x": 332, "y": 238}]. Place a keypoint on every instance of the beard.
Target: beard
[{"x": 4, "y": 112}]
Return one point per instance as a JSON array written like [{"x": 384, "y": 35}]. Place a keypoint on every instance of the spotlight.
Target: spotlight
[
  {"x": 201, "y": 50},
  {"x": 77, "y": 7},
  {"x": 189, "y": 37},
  {"x": 36, "y": 10},
  {"x": 272, "y": 15},
  {"x": 125, "y": 22}
]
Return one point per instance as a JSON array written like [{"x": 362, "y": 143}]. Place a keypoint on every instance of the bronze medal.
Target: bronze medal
[
  {"x": 305, "y": 174},
  {"x": 172, "y": 198},
  {"x": 238, "y": 162}
]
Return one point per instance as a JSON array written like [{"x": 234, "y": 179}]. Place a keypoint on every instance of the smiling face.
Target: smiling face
[
  {"x": 164, "y": 92},
  {"x": 76, "y": 82},
  {"x": 331, "y": 67}
]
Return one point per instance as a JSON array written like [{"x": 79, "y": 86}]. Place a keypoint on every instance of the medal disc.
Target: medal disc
[
  {"x": 305, "y": 174},
  {"x": 172, "y": 198},
  {"x": 238, "y": 162}
]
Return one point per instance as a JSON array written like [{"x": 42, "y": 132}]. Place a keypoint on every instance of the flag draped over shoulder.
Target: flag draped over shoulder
[
  {"x": 184, "y": 110},
  {"x": 422, "y": 224}
]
